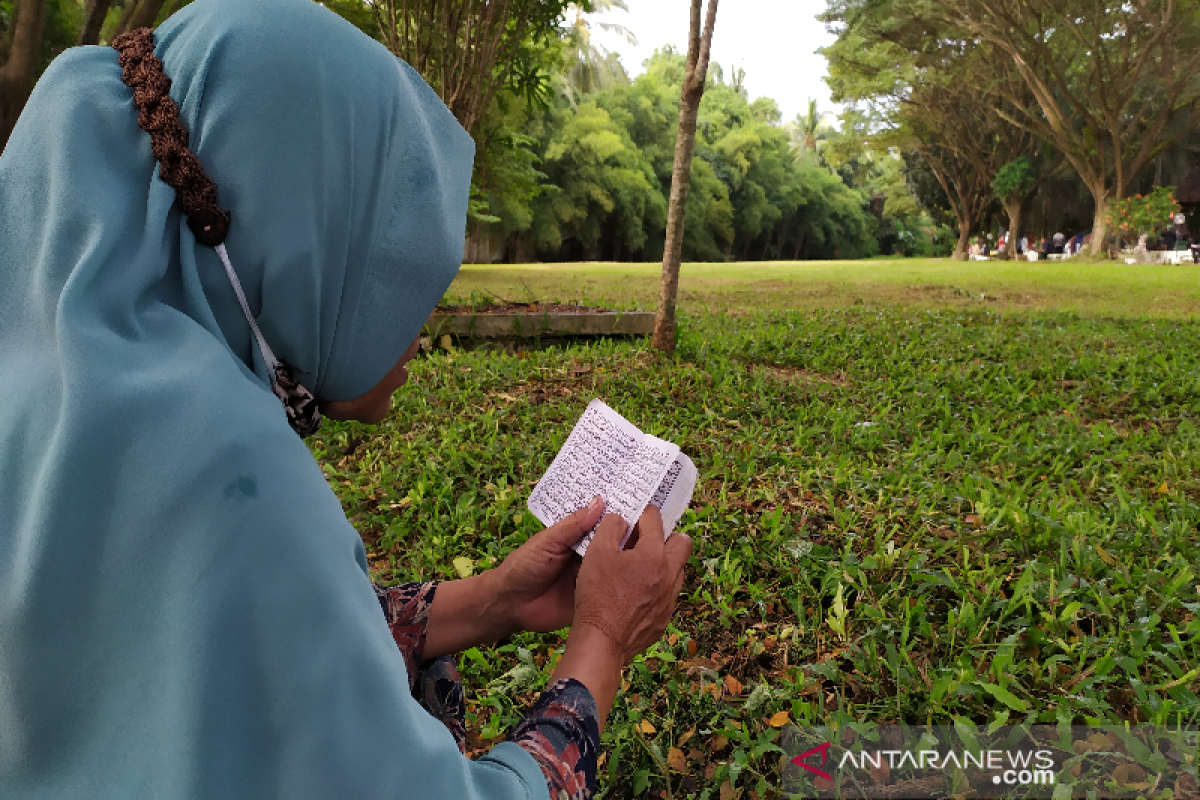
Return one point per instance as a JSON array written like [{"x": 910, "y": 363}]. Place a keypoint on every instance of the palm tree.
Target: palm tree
[
  {"x": 809, "y": 132},
  {"x": 591, "y": 66}
]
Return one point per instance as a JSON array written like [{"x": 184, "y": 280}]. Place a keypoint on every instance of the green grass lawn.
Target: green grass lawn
[
  {"x": 905, "y": 512},
  {"x": 1086, "y": 287}
]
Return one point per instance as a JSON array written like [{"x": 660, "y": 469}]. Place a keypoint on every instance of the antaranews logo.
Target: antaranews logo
[
  {"x": 868, "y": 761},
  {"x": 1024, "y": 767},
  {"x": 823, "y": 751}
]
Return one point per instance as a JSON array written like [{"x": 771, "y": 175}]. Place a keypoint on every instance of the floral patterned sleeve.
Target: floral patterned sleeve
[
  {"x": 562, "y": 734},
  {"x": 406, "y": 608},
  {"x": 561, "y": 731}
]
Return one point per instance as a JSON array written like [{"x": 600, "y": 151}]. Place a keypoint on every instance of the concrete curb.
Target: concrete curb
[{"x": 528, "y": 325}]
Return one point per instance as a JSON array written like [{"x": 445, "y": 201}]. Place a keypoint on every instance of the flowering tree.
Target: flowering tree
[{"x": 1144, "y": 213}]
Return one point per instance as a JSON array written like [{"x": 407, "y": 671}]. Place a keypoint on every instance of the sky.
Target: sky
[{"x": 772, "y": 40}]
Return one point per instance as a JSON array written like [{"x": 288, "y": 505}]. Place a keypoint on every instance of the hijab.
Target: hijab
[{"x": 184, "y": 608}]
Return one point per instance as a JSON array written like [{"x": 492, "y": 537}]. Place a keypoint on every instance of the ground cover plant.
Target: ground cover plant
[{"x": 903, "y": 514}]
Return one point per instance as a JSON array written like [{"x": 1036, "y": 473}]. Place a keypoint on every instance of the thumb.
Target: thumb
[{"x": 571, "y": 528}]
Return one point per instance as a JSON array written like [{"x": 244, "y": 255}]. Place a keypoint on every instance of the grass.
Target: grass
[
  {"x": 904, "y": 513},
  {"x": 1085, "y": 287}
]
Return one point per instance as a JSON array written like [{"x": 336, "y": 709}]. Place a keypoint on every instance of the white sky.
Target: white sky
[{"x": 773, "y": 40}]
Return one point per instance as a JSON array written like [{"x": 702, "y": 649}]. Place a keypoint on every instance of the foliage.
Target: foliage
[
  {"x": 605, "y": 188},
  {"x": 605, "y": 163},
  {"x": 1144, "y": 213},
  {"x": 589, "y": 65},
  {"x": 1014, "y": 179},
  {"x": 471, "y": 50},
  {"x": 1110, "y": 90},
  {"x": 998, "y": 500}
]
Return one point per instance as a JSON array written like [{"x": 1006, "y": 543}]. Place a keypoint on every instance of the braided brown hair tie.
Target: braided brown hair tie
[{"x": 158, "y": 115}]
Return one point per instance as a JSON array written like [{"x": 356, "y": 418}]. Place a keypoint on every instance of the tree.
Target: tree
[
  {"x": 470, "y": 50},
  {"x": 605, "y": 195},
  {"x": 810, "y": 132},
  {"x": 592, "y": 67},
  {"x": 699, "y": 46},
  {"x": 141, "y": 14},
  {"x": 933, "y": 89},
  {"x": 19, "y": 50},
  {"x": 1104, "y": 79},
  {"x": 94, "y": 15}
]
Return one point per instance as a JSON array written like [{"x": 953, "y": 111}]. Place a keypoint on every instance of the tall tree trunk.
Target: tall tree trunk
[
  {"x": 1013, "y": 208},
  {"x": 20, "y": 68},
  {"x": 964, "y": 234},
  {"x": 97, "y": 10},
  {"x": 140, "y": 14},
  {"x": 1099, "y": 224},
  {"x": 699, "y": 45}
]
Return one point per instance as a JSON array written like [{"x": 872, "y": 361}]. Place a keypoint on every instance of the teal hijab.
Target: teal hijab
[{"x": 184, "y": 609}]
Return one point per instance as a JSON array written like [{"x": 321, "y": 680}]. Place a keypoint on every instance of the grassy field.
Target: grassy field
[
  {"x": 1093, "y": 288},
  {"x": 916, "y": 508}
]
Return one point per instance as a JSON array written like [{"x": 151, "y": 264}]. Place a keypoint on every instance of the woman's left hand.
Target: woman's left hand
[
  {"x": 537, "y": 580},
  {"x": 532, "y": 590}
]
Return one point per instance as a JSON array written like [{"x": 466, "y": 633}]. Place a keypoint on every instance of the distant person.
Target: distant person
[
  {"x": 1023, "y": 245},
  {"x": 1058, "y": 243}
]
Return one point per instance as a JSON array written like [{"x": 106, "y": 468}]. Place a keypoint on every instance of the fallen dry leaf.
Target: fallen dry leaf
[
  {"x": 645, "y": 727},
  {"x": 687, "y": 735},
  {"x": 719, "y": 743},
  {"x": 733, "y": 685},
  {"x": 728, "y": 792},
  {"x": 672, "y": 639},
  {"x": 1128, "y": 774},
  {"x": 692, "y": 647},
  {"x": 778, "y": 720},
  {"x": 677, "y": 759}
]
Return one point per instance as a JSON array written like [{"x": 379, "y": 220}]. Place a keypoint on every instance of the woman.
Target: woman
[{"x": 184, "y": 609}]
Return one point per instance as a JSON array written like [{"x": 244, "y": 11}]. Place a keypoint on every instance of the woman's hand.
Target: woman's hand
[
  {"x": 623, "y": 602},
  {"x": 537, "y": 580},
  {"x": 532, "y": 590}
]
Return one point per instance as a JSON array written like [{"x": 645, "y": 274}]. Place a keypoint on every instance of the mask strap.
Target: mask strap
[{"x": 158, "y": 115}]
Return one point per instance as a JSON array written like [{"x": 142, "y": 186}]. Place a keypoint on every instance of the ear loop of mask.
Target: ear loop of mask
[
  {"x": 179, "y": 168},
  {"x": 263, "y": 347},
  {"x": 298, "y": 402}
]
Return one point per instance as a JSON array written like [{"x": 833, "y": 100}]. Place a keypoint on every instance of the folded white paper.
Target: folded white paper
[{"x": 607, "y": 455}]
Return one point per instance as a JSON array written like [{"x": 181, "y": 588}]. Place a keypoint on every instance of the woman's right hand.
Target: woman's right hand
[
  {"x": 623, "y": 602},
  {"x": 629, "y": 595}
]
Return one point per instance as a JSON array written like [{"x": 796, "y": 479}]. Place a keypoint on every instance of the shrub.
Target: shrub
[{"x": 1143, "y": 213}]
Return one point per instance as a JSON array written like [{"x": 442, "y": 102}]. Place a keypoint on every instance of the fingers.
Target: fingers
[
  {"x": 610, "y": 533},
  {"x": 651, "y": 530},
  {"x": 571, "y": 529},
  {"x": 678, "y": 550}
]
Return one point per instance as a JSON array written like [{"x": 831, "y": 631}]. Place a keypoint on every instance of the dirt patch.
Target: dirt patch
[{"x": 798, "y": 375}]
